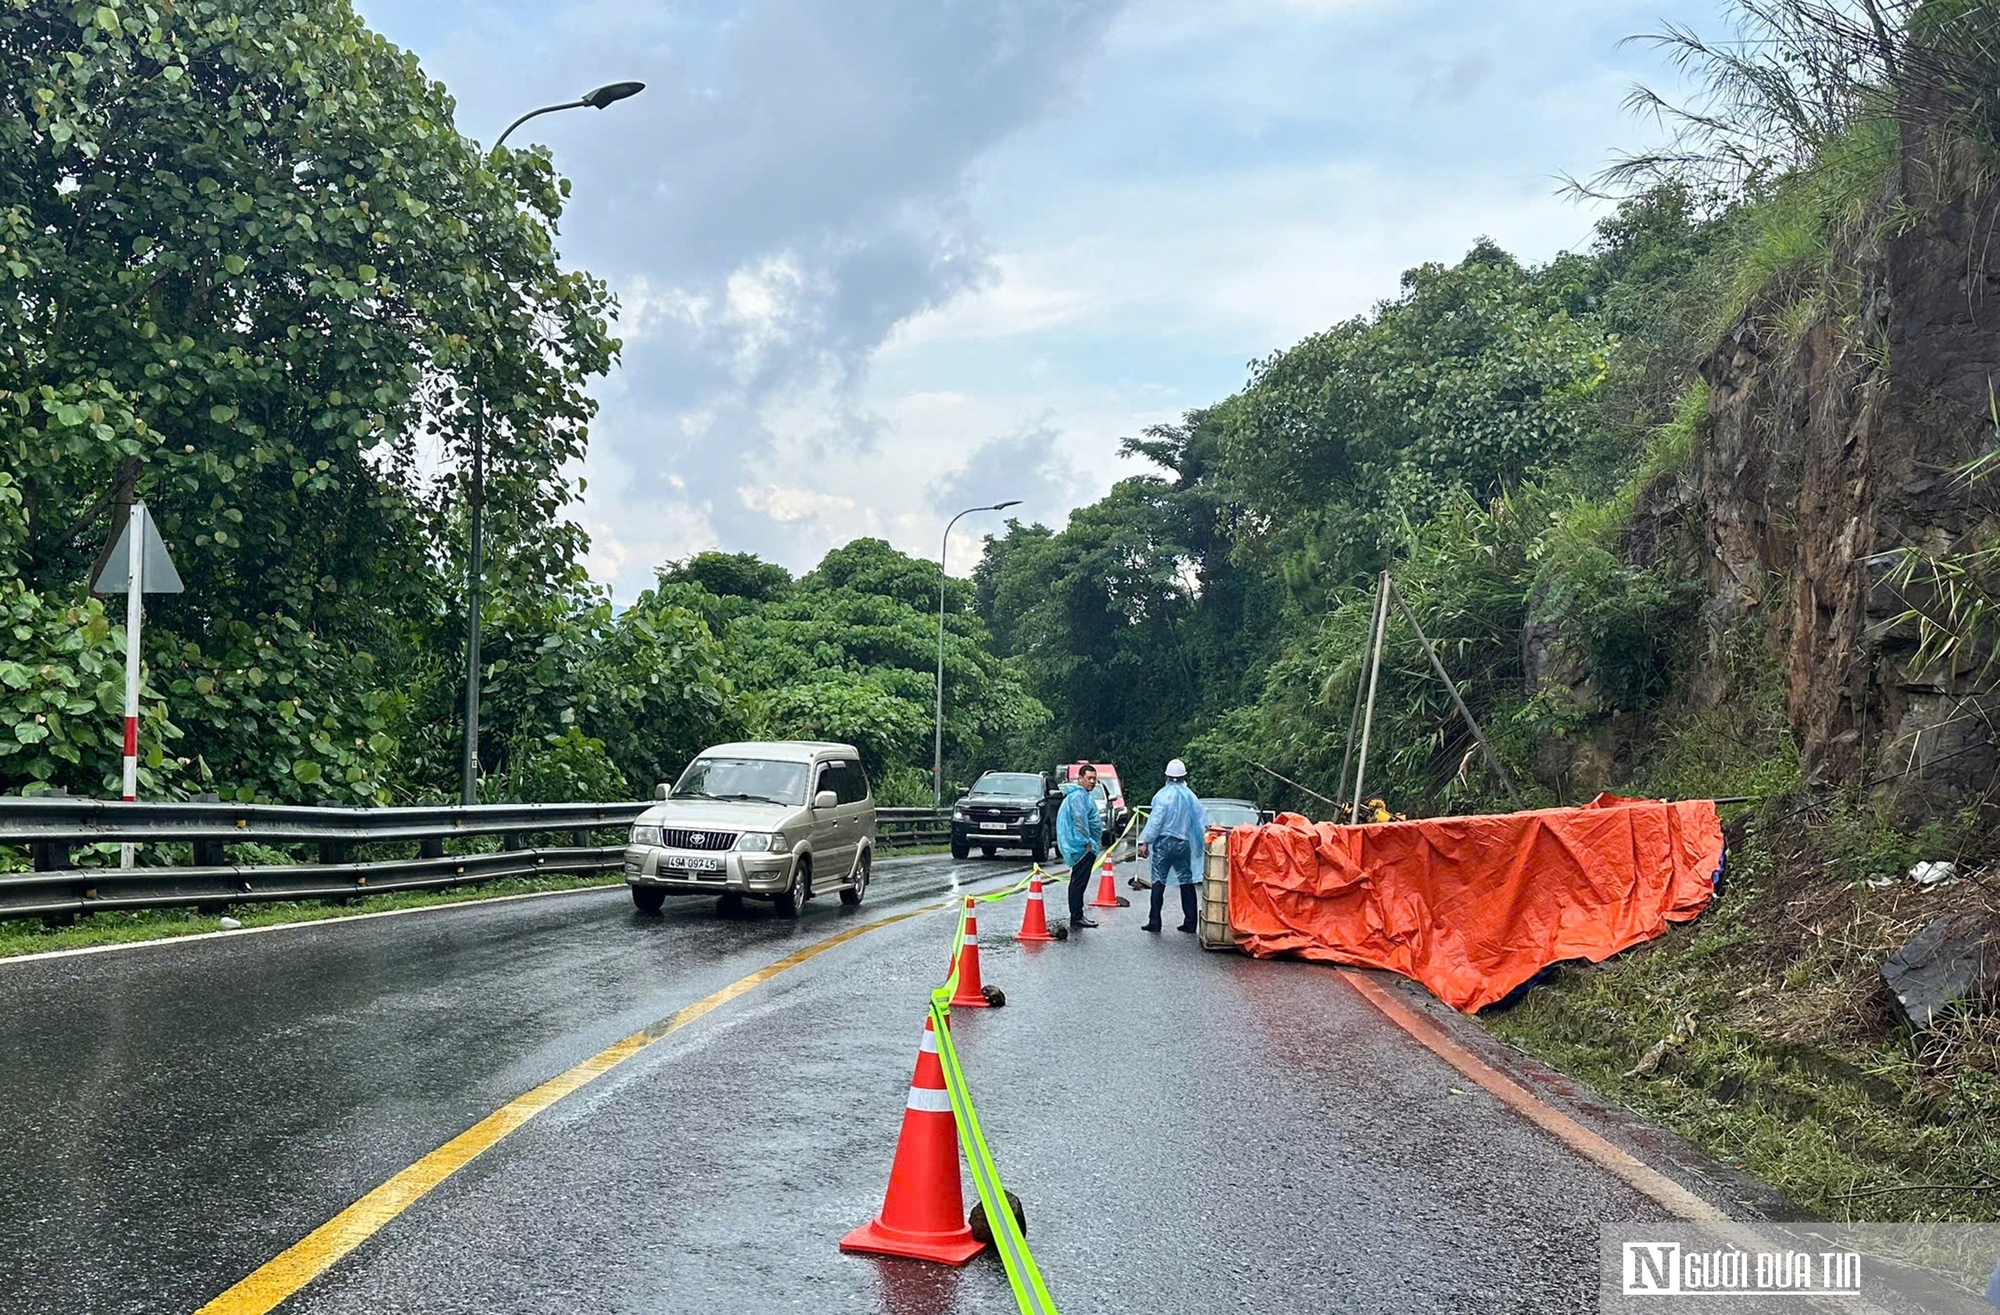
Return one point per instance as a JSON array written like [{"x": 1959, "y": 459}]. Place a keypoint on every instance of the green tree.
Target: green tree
[
  {"x": 849, "y": 653},
  {"x": 1471, "y": 379},
  {"x": 247, "y": 267}
]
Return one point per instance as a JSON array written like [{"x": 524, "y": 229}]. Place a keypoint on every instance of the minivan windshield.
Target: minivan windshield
[
  {"x": 1017, "y": 785},
  {"x": 752, "y": 780}
]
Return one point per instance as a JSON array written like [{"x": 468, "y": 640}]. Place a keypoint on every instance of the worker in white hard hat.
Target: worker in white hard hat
[{"x": 1174, "y": 833}]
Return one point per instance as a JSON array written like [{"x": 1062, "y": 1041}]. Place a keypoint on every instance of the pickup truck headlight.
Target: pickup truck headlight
[
  {"x": 958, "y": 815},
  {"x": 645, "y": 835},
  {"x": 1034, "y": 816},
  {"x": 760, "y": 842}
]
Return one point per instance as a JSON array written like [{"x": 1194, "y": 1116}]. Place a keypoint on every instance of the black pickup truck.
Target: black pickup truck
[{"x": 1007, "y": 810}]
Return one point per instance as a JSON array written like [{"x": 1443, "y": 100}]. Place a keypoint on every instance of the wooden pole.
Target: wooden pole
[
  {"x": 1354, "y": 718},
  {"x": 1492, "y": 759},
  {"x": 1296, "y": 786},
  {"x": 1374, "y": 676}
]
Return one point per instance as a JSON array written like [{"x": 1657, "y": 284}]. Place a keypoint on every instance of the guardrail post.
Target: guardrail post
[
  {"x": 209, "y": 853},
  {"x": 54, "y": 856},
  {"x": 334, "y": 851},
  {"x": 50, "y": 855}
]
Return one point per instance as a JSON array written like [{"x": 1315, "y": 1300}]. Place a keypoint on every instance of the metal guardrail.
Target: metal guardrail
[
  {"x": 51, "y": 828},
  {"x": 903, "y": 828}
]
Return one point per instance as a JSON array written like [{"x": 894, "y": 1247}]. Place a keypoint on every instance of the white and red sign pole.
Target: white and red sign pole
[{"x": 135, "y": 608}]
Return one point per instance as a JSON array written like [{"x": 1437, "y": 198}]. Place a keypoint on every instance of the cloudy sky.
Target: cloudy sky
[{"x": 883, "y": 259}]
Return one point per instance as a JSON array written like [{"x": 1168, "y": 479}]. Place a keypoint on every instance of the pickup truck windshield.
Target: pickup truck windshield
[
  {"x": 1018, "y": 785},
  {"x": 751, "y": 780}
]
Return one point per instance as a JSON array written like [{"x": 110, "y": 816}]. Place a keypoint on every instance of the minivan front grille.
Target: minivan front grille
[{"x": 678, "y": 838}]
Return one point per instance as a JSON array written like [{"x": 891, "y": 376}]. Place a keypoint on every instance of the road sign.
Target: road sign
[
  {"x": 156, "y": 568},
  {"x": 147, "y": 569}
]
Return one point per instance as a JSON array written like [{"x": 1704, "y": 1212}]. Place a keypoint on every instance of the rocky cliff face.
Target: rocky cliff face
[{"x": 1829, "y": 456}]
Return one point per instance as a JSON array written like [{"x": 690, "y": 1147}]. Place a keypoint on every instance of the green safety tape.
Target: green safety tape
[{"x": 1030, "y": 1293}]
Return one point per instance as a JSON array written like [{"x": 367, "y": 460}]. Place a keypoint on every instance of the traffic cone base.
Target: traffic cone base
[
  {"x": 970, "y": 995},
  {"x": 1034, "y": 918},
  {"x": 1107, "y": 888},
  {"x": 873, "y": 1238},
  {"x": 923, "y": 1212}
]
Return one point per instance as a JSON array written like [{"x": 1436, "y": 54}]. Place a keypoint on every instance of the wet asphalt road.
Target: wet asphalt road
[{"x": 1190, "y": 1131}]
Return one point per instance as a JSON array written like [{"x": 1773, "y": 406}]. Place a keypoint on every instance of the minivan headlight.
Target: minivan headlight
[
  {"x": 759, "y": 842},
  {"x": 645, "y": 835}
]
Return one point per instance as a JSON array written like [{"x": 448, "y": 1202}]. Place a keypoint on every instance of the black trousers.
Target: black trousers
[
  {"x": 1189, "y": 905},
  {"x": 1079, "y": 883}
]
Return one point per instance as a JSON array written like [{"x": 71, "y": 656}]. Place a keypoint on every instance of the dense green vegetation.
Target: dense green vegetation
[
  {"x": 1512, "y": 442},
  {"x": 1485, "y": 434},
  {"x": 251, "y": 273}
]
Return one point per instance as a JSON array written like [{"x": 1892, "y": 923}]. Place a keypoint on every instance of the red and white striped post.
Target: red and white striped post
[{"x": 135, "y": 607}]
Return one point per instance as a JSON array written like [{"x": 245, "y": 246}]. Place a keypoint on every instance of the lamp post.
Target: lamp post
[
  {"x": 609, "y": 94},
  {"x": 937, "y": 743}
]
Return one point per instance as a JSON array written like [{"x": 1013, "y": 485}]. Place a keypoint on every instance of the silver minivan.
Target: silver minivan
[{"x": 783, "y": 820}]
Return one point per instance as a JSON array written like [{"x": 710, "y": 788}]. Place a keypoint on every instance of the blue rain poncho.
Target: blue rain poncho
[
  {"x": 1079, "y": 824},
  {"x": 1177, "y": 815}
]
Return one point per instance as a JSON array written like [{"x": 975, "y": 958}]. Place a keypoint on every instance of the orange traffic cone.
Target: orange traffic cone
[
  {"x": 1107, "y": 887},
  {"x": 923, "y": 1212},
  {"x": 1034, "y": 918},
  {"x": 970, "y": 995}
]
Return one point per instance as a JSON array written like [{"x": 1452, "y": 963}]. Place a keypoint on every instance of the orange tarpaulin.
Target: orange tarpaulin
[{"x": 1474, "y": 906}]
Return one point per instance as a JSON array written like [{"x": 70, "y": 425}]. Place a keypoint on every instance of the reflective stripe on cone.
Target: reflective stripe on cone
[
  {"x": 923, "y": 1212},
  {"x": 1107, "y": 887},
  {"x": 1035, "y": 918},
  {"x": 970, "y": 993}
]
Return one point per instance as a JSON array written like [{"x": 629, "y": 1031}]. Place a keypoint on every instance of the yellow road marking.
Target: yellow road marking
[{"x": 321, "y": 1249}]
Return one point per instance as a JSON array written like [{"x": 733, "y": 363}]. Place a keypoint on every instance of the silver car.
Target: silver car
[{"x": 783, "y": 821}]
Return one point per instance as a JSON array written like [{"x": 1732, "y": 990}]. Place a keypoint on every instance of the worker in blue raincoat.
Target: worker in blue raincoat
[
  {"x": 1079, "y": 831},
  {"x": 1175, "y": 835}
]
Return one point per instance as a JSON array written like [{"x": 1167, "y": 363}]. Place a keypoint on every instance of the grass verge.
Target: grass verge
[
  {"x": 1779, "y": 1049},
  {"x": 26, "y": 937}
]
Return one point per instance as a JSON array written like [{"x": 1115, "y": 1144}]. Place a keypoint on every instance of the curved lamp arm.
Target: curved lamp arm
[
  {"x": 609, "y": 94},
  {"x": 937, "y": 741}
]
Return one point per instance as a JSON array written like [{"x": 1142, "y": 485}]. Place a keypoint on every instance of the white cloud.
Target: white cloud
[
  {"x": 790, "y": 504},
  {"x": 873, "y": 256}
]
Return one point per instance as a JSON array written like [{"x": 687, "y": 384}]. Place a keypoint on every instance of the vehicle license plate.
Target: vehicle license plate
[
  {"x": 678, "y": 864},
  {"x": 992, "y": 826}
]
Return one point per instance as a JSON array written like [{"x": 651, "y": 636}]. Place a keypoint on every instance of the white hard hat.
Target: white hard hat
[{"x": 1176, "y": 770}]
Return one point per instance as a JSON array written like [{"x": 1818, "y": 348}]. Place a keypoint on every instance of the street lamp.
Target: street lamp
[
  {"x": 609, "y": 94},
  {"x": 937, "y": 744}
]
